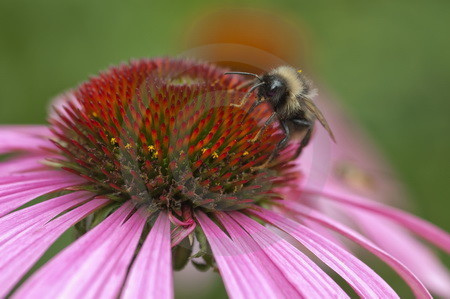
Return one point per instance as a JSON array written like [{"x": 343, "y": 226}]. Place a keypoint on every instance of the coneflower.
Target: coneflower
[{"x": 155, "y": 168}]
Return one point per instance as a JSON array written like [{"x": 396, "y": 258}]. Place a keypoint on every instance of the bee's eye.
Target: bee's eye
[{"x": 272, "y": 91}]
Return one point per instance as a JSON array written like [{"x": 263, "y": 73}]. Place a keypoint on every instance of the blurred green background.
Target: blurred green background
[{"x": 388, "y": 61}]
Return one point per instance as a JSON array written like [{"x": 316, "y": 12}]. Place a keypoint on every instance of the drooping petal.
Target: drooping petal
[
  {"x": 17, "y": 180},
  {"x": 105, "y": 270},
  {"x": 151, "y": 273},
  {"x": 14, "y": 223},
  {"x": 394, "y": 239},
  {"x": 95, "y": 265},
  {"x": 410, "y": 278},
  {"x": 22, "y": 249},
  {"x": 360, "y": 277},
  {"x": 241, "y": 278},
  {"x": 23, "y": 163},
  {"x": 357, "y": 165},
  {"x": 259, "y": 259},
  {"x": 24, "y": 138},
  {"x": 33, "y": 130},
  {"x": 290, "y": 268},
  {"x": 419, "y": 226},
  {"x": 330, "y": 210},
  {"x": 18, "y": 189}
]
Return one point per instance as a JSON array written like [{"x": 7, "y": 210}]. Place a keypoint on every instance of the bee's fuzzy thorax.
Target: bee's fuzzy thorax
[
  {"x": 291, "y": 76},
  {"x": 297, "y": 83}
]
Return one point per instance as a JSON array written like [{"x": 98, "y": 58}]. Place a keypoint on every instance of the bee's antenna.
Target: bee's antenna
[
  {"x": 244, "y": 73},
  {"x": 255, "y": 87}
]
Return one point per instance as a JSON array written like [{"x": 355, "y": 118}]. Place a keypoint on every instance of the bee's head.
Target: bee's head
[{"x": 274, "y": 89}]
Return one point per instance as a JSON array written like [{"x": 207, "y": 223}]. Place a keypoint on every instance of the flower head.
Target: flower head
[
  {"x": 151, "y": 156},
  {"x": 163, "y": 134}
]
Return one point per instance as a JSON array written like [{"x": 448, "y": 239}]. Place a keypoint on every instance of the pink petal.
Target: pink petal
[
  {"x": 14, "y": 223},
  {"x": 330, "y": 210},
  {"x": 290, "y": 269},
  {"x": 23, "y": 164},
  {"x": 21, "y": 250},
  {"x": 151, "y": 273},
  {"x": 96, "y": 262},
  {"x": 18, "y": 189},
  {"x": 103, "y": 274},
  {"x": 416, "y": 285},
  {"x": 258, "y": 258},
  {"x": 360, "y": 277},
  {"x": 241, "y": 278},
  {"x": 11, "y": 183},
  {"x": 394, "y": 239},
  {"x": 33, "y": 130},
  {"x": 24, "y": 138},
  {"x": 421, "y": 227},
  {"x": 354, "y": 149}
]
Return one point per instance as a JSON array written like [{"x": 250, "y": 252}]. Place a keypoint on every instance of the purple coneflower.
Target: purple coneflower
[{"x": 155, "y": 168}]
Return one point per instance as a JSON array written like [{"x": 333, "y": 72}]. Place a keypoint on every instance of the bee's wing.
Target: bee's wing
[{"x": 309, "y": 104}]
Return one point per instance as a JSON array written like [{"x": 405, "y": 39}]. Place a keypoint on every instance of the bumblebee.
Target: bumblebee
[{"x": 289, "y": 93}]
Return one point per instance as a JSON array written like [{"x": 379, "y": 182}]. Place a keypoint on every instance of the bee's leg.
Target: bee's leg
[
  {"x": 247, "y": 95},
  {"x": 255, "y": 104},
  {"x": 282, "y": 144},
  {"x": 308, "y": 125},
  {"x": 245, "y": 84},
  {"x": 268, "y": 121},
  {"x": 303, "y": 143}
]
